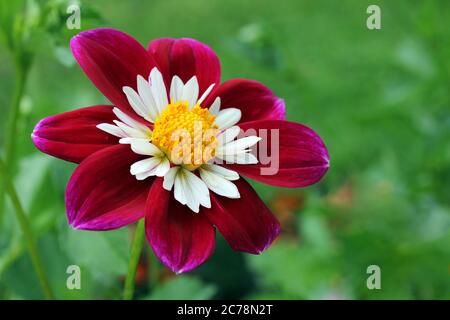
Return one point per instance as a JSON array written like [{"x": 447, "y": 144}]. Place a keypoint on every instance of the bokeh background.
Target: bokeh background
[{"x": 380, "y": 99}]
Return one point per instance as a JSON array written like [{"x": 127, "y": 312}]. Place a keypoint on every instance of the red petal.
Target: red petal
[
  {"x": 112, "y": 59},
  {"x": 73, "y": 135},
  {"x": 186, "y": 58},
  {"x": 246, "y": 223},
  {"x": 256, "y": 101},
  {"x": 180, "y": 238},
  {"x": 102, "y": 194},
  {"x": 302, "y": 156}
]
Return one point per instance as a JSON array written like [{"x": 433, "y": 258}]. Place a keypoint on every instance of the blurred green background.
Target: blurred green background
[{"x": 380, "y": 99}]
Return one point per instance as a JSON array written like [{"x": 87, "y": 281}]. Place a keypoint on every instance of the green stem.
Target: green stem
[
  {"x": 26, "y": 229},
  {"x": 21, "y": 77},
  {"x": 155, "y": 268},
  {"x": 136, "y": 249},
  {"x": 11, "y": 133}
]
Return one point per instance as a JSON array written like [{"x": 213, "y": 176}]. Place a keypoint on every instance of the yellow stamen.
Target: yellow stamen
[{"x": 188, "y": 137}]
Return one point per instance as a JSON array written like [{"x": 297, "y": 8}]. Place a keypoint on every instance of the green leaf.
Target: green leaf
[
  {"x": 105, "y": 253},
  {"x": 301, "y": 272}
]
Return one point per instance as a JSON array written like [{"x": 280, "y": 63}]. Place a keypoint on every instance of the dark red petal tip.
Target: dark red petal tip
[
  {"x": 180, "y": 238},
  {"x": 295, "y": 155},
  {"x": 246, "y": 223},
  {"x": 112, "y": 59},
  {"x": 73, "y": 135}
]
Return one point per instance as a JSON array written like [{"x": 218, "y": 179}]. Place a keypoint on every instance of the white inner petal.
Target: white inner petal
[
  {"x": 190, "y": 92},
  {"x": 136, "y": 102},
  {"x": 179, "y": 192},
  {"x": 239, "y": 158},
  {"x": 199, "y": 189},
  {"x": 154, "y": 166},
  {"x": 112, "y": 129},
  {"x": 236, "y": 146},
  {"x": 163, "y": 167},
  {"x": 145, "y": 147},
  {"x": 215, "y": 107},
  {"x": 228, "y": 135},
  {"x": 127, "y": 129},
  {"x": 144, "y": 175},
  {"x": 237, "y": 151},
  {"x": 176, "y": 89},
  {"x": 129, "y": 121},
  {"x": 218, "y": 184},
  {"x": 145, "y": 92},
  {"x": 129, "y": 140},
  {"x": 158, "y": 89},
  {"x": 145, "y": 165},
  {"x": 191, "y": 190},
  {"x": 130, "y": 131},
  {"x": 169, "y": 178},
  {"x": 228, "y": 117},
  {"x": 205, "y": 94},
  {"x": 224, "y": 172}
]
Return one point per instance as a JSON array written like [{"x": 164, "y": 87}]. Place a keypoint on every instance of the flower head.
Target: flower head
[{"x": 173, "y": 147}]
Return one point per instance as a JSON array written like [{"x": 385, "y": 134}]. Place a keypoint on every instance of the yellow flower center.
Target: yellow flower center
[{"x": 187, "y": 136}]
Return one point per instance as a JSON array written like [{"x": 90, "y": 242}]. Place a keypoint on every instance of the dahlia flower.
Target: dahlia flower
[{"x": 174, "y": 146}]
